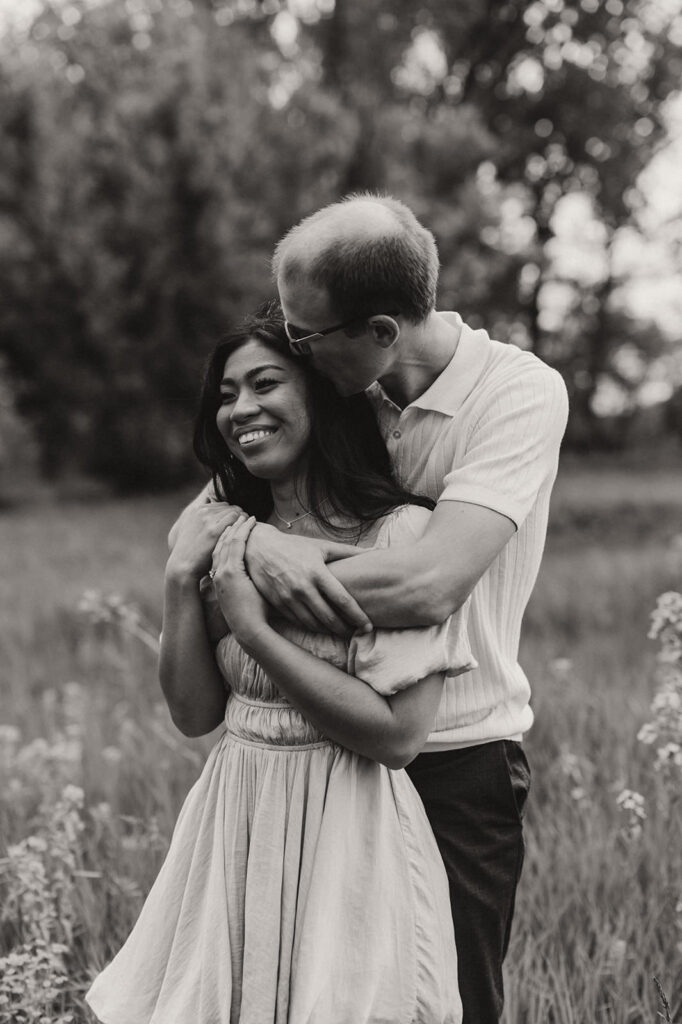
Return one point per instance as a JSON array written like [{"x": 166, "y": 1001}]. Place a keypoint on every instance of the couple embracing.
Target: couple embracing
[{"x": 347, "y": 598}]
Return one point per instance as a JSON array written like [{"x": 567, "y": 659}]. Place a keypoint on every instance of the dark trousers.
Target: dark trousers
[{"x": 474, "y": 798}]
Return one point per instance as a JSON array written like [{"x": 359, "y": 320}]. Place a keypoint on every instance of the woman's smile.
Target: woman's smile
[{"x": 253, "y": 435}]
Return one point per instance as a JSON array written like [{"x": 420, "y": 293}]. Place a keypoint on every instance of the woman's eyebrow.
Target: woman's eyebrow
[{"x": 254, "y": 373}]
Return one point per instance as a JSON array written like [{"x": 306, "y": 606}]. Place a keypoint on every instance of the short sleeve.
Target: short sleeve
[
  {"x": 390, "y": 660},
  {"x": 513, "y": 447}
]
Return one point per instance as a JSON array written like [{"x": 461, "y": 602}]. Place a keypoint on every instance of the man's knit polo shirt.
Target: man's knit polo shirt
[{"x": 486, "y": 432}]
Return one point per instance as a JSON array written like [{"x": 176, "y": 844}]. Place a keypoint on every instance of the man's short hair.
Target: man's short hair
[{"x": 385, "y": 262}]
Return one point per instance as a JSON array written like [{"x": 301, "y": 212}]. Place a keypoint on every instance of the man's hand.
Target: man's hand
[{"x": 291, "y": 574}]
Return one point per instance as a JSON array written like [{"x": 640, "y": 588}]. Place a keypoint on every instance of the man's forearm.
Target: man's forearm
[
  {"x": 401, "y": 586},
  {"x": 421, "y": 583},
  {"x": 418, "y": 580}
]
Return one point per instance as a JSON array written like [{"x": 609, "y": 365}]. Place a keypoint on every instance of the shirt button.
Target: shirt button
[{"x": 396, "y": 434}]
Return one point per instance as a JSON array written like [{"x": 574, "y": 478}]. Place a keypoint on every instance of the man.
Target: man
[{"x": 476, "y": 425}]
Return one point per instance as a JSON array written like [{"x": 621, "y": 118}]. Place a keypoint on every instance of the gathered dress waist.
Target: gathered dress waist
[{"x": 274, "y": 724}]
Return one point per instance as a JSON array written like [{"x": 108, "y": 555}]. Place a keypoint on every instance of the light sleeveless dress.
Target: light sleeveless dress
[{"x": 303, "y": 884}]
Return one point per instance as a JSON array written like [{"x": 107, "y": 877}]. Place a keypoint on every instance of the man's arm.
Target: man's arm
[
  {"x": 421, "y": 584},
  {"x": 404, "y": 585},
  {"x": 511, "y": 454}
]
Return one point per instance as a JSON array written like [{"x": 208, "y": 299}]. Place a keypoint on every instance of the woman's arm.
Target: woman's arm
[
  {"x": 190, "y": 679},
  {"x": 391, "y": 730}
]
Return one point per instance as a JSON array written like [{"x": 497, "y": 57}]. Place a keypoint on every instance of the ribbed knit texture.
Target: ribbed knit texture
[{"x": 486, "y": 432}]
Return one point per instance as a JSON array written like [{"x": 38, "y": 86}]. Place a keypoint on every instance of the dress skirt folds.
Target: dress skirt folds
[{"x": 303, "y": 884}]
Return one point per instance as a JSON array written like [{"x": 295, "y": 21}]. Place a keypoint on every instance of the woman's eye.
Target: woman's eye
[
  {"x": 265, "y": 382},
  {"x": 226, "y": 397}
]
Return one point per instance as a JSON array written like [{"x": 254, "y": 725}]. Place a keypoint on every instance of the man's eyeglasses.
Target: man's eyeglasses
[{"x": 299, "y": 341}]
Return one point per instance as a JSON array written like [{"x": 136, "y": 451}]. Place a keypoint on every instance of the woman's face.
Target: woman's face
[{"x": 264, "y": 413}]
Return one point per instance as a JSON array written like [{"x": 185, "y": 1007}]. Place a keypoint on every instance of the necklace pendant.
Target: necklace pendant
[{"x": 301, "y": 515}]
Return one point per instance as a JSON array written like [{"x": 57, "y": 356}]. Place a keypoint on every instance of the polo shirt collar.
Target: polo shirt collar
[{"x": 456, "y": 381}]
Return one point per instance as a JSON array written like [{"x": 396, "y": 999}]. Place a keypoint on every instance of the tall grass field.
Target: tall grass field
[{"x": 92, "y": 771}]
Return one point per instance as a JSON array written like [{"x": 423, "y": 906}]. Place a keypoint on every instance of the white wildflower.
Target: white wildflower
[
  {"x": 101, "y": 811},
  {"x": 112, "y": 609},
  {"x": 631, "y": 803},
  {"x": 666, "y": 699},
  {"x": 668, "y": 612},
  {"x": 669, "y": 754},
  {"x": 9, "y": 735},
  {"x": 112, "y": 755},
  {"x": 615, "y": 958},
  {"x": 630, "y": 800},
  {"x": 648, "y": 733},
  {"x": 578, "y": 770},
  {"x": 73, "y": 795}
]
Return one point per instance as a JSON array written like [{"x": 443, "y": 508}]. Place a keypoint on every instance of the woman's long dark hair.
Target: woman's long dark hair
[{"x": 348, "y": 466}]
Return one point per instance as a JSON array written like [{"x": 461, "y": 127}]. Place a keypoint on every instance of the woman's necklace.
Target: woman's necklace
[{"x": 290, "y": 522}]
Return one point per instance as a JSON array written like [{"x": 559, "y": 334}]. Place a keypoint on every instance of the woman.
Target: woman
[{"x": 303, "y": 884}]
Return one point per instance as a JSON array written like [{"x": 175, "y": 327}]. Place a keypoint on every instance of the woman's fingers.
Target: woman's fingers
[
  {"x": 231, "y": 545},
  {"x": 239, "y": 534},
  {"x": 222, "y": 529}
]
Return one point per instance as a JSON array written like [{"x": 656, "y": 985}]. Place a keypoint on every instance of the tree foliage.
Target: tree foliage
[{"x": 154, "y": 152}]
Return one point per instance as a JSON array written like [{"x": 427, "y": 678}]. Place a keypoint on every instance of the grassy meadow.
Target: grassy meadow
[{"x": 92, "y": 771}]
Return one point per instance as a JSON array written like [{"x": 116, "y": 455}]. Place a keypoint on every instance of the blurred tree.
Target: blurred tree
[
  {"x": 512, "y": 106},
  {"x": 573, "y": 91},
  {"x": 154, "y": 152},
  {"x": 121, "y": 222},
  {"x": 673, "y": 413},
  {"x": 18, "y": 450}
]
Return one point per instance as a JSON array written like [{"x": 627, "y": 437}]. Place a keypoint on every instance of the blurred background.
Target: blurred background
[{"x": 152, "y": 154}]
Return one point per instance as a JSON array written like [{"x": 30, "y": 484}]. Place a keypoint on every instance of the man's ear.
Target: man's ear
[{"x": 385, "y": 330}]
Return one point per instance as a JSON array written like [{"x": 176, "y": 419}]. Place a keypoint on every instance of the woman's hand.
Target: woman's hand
[
  {"x": 245, "y": 611},
  {"x": 198, "y": 531}
]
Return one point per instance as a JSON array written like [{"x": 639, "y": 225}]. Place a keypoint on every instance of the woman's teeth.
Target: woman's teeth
[{"x": 254, "y": 435}]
